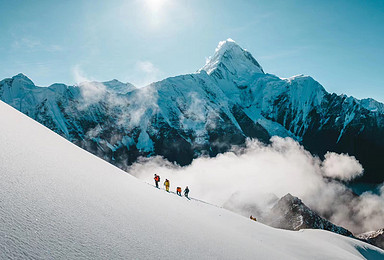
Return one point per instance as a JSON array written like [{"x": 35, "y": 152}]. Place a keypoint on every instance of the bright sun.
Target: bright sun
[
  {"x": 155, "y": 5},
  {"x": 156, "y": 11}
]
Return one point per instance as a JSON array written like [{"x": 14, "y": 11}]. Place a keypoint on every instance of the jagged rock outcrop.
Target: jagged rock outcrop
[
  {"x": 374, "y": 237},
  {"x": 291, "y": 213}
]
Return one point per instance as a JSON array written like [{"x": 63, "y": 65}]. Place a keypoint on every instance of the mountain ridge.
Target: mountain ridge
[{"x": 205, "y": 113}]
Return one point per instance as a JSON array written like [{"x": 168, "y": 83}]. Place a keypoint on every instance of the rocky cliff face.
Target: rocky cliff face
[
  {"x": 292, "y": 214},
  {"x": 374, "y": 237},
  {"x": 230, "y": 99}
]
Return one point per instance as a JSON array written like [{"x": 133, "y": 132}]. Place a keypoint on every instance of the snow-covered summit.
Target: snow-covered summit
[
  {"x": 21, "y": 76},
  {"x": 119, "y": 87},
  {"x": 372, "y": 105},
  {"x": 230, "y": 58},
  {"x": 22, "y": 80},
  {"x": 113, "y": 86}
]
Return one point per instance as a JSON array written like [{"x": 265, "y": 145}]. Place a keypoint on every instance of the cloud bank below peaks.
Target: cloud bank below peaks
[{"x": 250, "y": 180}]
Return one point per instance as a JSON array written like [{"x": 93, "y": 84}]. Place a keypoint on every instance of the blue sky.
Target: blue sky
[{"x": 339, "y": 43}]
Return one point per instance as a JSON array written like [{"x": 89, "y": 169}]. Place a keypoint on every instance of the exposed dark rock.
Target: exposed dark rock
[
  {"x": 292, "y": 214},
  {"x": 374, "y": 237}
]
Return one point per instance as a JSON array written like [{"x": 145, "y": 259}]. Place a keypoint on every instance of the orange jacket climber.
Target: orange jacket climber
[
  {"x": 178, "y": 191},
  {"x": 157, "y": 180}
]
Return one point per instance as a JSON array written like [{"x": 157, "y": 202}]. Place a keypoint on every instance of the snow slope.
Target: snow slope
[{"x": 58, "y": 201}]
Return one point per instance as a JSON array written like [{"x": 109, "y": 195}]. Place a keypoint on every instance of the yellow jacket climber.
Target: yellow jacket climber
[{"x": 166, "y": 184}]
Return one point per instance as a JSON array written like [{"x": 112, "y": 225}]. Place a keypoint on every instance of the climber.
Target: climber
[
  {"x": 253, "y": 218},
  {"x": 186, "y": 191},
  {"x": 178, "y": 191},
  {"x": 157, "y": 180},
  {"x": 166, "y": 184}
]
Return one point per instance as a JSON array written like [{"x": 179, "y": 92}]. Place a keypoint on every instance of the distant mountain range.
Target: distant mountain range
[{"x": 180, "y": 118}]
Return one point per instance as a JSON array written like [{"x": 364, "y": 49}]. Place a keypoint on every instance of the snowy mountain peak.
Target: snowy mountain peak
[
  {"x": 118, "y": 86},
  {"x": 372, "y": 105},
  {"x": 114, "y": 81},
  {"x": 226, "y": 45},
  {"x": 230, "y": 58},
  {"x": 113, "y": 86},
  {"x": 21, "y": 75},
  {"x": 21, "y": 79},
  {"x": 288, "y": 198}
]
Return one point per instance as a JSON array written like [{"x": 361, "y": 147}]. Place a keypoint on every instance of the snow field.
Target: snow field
[{"x": 57, "y": 201}]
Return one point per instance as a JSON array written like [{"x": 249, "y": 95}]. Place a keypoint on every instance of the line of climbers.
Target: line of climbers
[{"x": 167, "y": 184}]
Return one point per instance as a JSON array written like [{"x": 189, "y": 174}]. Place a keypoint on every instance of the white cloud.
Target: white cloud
[
  {"x": 91, "y": 91},
  {"x": 146, "y": 73},
  {"x": 133, "y": 111},
  {"x": 147, "y": 67},
  {"x": 78, "y": 74},
  {"x": 33, "y": 44},
  {"x": 341, "y": 166},
  {"x": 249, "y": 181},
  {"x": 26, "y": 43}
]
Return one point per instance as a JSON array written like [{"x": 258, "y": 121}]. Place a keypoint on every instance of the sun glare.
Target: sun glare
[
  {"x": 156, "y": 11},
  {"x": 155, "y": 5}
]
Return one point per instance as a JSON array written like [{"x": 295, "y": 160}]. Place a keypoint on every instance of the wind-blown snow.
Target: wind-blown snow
[{"x": 58, "y": 201}]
